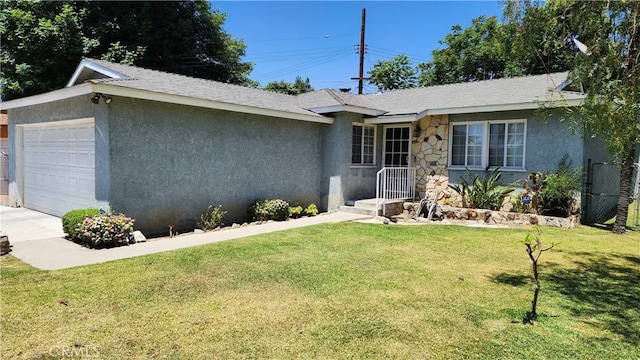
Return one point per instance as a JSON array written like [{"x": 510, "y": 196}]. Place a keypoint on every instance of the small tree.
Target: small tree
[{"x": 534, "y": 250}]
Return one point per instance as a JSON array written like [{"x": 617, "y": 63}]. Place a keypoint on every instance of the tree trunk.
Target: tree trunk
[
  {"x": 534, "y": 303},
  {"x": 626, "y": 176}
]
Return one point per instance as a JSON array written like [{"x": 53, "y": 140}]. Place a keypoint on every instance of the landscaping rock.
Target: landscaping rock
[
  {"x": 138, "y": 236},
  {"x": 5, "y": 246}
]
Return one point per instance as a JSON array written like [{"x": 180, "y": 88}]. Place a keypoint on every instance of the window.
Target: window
[
  {"x": 396, "y": 146},
  {"x": 489, "y": 143},
  {"x": 363, "y": 145}
]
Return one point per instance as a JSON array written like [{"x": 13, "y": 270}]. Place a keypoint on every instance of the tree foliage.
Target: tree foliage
[
  {"x": 479, "y": 52},
  {"x": 609, "y": 71},
  {"x": 489, "y": 49},
  {"x": 394, "y": 74},
  {"x": 299, "y": 86},
  {"x": 43, "y": 41}
]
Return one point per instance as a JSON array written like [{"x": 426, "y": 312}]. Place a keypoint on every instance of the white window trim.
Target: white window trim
[
  {"x": 485, "y": 145},
  {"x": 375, "y": 140}
]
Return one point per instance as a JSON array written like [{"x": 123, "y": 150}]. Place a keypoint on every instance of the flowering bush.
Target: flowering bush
[
  {"x": 105, "y": 230},
  {"x": 274, "y": 209},
  {"x": 73, "y": 218}
]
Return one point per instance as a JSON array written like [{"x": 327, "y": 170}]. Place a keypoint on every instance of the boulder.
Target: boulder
[
  {"x": 138, "y": 236},
  {"x": 5, "y": 246}
]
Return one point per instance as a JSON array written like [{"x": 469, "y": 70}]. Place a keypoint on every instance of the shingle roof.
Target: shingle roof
[
  {"x": 518, "y": 90},
  {"x": 530, "y": 90},
  {"x": 168, "y": 83},
  {"x": 329, "y": 97}
]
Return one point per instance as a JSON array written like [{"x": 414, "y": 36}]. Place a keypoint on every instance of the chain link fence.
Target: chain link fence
[
  {"x": 603, "y": 187},
  {"x": 602, "y": 190}
]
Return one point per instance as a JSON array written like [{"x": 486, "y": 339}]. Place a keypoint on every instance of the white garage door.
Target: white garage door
[{"x": 59, "y": 166}]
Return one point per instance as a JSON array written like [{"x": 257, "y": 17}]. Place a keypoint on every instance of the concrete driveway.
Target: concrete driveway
[
  {"x": 22, "y": 224},
  {"x": 38, "y": 239}
]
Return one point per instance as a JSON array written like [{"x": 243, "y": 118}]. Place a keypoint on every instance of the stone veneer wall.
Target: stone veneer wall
[{"x": 431, "y": 153}]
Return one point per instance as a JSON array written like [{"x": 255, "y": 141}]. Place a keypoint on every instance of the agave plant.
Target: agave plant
[{"x": 482, "y": 193}]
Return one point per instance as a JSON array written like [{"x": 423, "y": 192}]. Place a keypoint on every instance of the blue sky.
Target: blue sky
[{"x": 319, "y": 39}]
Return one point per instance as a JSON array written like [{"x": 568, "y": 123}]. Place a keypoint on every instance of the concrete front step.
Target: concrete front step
[
  {"x": 358, "y": 210},
  {"x": 368, "y": 207}
]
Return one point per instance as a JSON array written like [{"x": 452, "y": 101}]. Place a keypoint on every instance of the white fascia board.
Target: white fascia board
[
  {"x": 190, "y": 101},
  {"x": 505, "y": 107},
  {"x": 88, "y": 64},
  {"x": 395, "y": 119},
  {"x": 82, "y": 89},
  {"x": 392, "y": 119},
  {"x": 346, "y": 108}
]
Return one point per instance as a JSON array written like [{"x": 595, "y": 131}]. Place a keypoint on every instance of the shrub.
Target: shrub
[
  {"x": 212, "y": 218},
  {"x": 557, "y": 194},
  {"x": 295, "y": 211},
  {"x": 482, "y": 193},
  {"x": 311, "y": 210},
  {"x": 274, "y": 209},
  {"x": 531, "y": 185},
  {"x": 517, "y": 203},
  {"x": 105, "y": 230},
  {"x": 73, "y": 218}
]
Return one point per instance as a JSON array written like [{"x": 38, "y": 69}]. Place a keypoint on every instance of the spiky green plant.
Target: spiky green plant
[{"x": 482, "y": 193}]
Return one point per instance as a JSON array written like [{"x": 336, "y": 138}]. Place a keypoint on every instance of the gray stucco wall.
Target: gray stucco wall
[
  {"x": 360, "y": 181},
  {"x": 70, "y": 109},
  {"x": 340, "y": 180},
  {"x": 547, "y": 141},
  {"x": 170, "y": 162}
]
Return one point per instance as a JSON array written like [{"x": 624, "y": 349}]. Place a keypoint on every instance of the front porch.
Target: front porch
[
  {"x": 372, "y": 207},
  {"x": 394, "y": 186}
]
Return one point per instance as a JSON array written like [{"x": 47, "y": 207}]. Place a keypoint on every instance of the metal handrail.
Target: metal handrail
[{"x": 394, "y": 183}]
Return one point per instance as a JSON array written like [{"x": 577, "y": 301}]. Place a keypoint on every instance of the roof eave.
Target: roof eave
[
  {"x": 204, "y": 103},
  {"x": 346, "y": 108},
  {"x": 393, "y": 119},
  {"x": 89, "y": 88},
  {"x": 65, "y": 93},
  {"x": 88, "y": 64},
  {"x": 405, "y": 118},
  {"x": 506, "y": 107}
]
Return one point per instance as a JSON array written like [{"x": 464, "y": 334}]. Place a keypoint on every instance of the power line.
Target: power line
[
  {"x": 297, "y": 55},
  {"x": 385, "y": 52},
  {"x": 301, "y": 66},
  {"x": 326, "y": 36}
]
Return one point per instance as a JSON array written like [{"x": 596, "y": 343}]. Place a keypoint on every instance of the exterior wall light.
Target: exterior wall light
[
  {"x": 416, "y": 131},
  {"x": 96, "y": 98}
]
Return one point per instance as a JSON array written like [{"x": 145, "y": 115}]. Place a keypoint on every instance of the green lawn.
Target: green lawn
[{"x": 337, "y": 291}]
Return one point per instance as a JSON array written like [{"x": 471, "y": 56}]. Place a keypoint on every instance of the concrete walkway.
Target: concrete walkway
[{"x": 38, "y": 239}]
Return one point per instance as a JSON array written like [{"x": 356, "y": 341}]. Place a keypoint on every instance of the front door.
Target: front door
[
  {"x": 397, "y": 178},
  {"x": 397, "y": 141}
]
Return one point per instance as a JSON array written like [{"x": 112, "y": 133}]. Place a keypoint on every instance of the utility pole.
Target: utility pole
[{"x": 361, "y": 77}]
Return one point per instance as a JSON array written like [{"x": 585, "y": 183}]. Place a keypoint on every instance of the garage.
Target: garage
[{"x": 59, "y": 166}]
